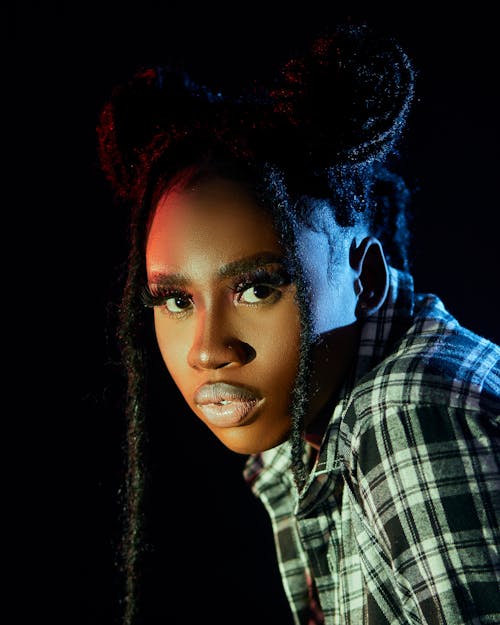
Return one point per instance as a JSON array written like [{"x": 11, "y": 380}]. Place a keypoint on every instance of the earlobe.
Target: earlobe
[{"x": 372, "y": 282}]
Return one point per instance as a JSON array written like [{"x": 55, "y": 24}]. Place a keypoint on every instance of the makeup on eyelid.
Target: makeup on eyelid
[{"x": 157, "y": 294}]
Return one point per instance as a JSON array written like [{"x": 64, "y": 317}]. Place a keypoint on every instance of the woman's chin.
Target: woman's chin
[{"x": 242, "y": 440}]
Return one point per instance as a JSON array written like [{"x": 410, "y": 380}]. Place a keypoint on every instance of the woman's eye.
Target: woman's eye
[
  {"x": 257, "y": 293},
  {"x": 177, "y": 303}
]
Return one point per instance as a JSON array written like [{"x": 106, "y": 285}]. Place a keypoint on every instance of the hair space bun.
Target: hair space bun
[
  {"x": 349, "y": 95},
  {"x": 156, "y": 107}
]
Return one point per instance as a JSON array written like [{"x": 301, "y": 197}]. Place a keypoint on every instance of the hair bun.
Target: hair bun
[
  {"x": 141, "y": 117},
  {"x": 350, "y": 95}
]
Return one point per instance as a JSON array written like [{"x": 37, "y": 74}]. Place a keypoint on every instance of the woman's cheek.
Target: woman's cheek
[{"x": 173, "y": 342}]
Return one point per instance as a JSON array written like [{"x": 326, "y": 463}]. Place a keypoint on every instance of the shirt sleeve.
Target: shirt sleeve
[{"x": 428, "y": 484}]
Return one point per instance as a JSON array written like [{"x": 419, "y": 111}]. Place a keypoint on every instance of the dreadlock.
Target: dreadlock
[{"x": 326, "y": 129}]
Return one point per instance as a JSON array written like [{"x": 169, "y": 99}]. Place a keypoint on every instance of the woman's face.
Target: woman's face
[{"x": 225, "y": 313}]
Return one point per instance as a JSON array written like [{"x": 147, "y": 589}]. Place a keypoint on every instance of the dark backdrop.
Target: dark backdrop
[{"x": 211, "y": 555}]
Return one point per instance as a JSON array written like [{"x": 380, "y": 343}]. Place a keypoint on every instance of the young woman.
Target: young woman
[{"x": 269, "y": 259}]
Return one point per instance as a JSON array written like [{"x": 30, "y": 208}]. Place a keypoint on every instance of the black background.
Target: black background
[{"x": 211, "y": 555}]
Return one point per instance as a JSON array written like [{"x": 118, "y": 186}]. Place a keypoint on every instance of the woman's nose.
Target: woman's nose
[{"x": 215, "y": 344}]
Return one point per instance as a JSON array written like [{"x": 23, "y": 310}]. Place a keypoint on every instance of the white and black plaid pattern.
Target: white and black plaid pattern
[{"x": 399, "y": 521}]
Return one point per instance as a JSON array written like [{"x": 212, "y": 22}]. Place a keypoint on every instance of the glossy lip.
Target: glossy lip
[{"x": 225, "y": 405}]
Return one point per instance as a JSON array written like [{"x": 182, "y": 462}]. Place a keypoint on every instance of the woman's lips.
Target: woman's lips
[{"x": 225, "y": 405}]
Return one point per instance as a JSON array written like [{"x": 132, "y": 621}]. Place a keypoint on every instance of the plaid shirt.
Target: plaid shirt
[{"x": 398, "y": 522}]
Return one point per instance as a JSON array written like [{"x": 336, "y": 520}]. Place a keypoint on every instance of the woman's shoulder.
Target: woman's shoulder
[{"x": 437, "y": 363}]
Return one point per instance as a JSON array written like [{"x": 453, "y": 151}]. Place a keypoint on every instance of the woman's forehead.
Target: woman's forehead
[{"x": 216, "y": 220}]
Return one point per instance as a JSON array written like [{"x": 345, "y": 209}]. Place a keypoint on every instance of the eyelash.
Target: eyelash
[{"x": 158, "y": 296}]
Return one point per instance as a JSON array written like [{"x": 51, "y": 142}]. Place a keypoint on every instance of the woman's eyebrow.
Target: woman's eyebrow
[
  {"x": 249, "y": 263},
  {"x": 229, "y": 270},
  {"x": 169, "y": 279}
]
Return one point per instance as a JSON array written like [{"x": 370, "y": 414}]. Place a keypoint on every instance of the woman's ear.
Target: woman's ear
[{"x": 372, "y": 281}]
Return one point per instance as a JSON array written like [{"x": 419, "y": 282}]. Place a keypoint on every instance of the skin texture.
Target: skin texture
[{"x": 209, "y": 329}]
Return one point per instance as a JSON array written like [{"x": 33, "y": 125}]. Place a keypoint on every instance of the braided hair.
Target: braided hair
[{"x": 326, "y": 129}]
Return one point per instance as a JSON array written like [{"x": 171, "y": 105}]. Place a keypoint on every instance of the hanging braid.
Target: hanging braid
[
  {"x": 326, "y": 129},
  {"x": 300, "y": 391},
  {"x": 131, "y": 336},
  {"x": 273, "y": 193}
]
